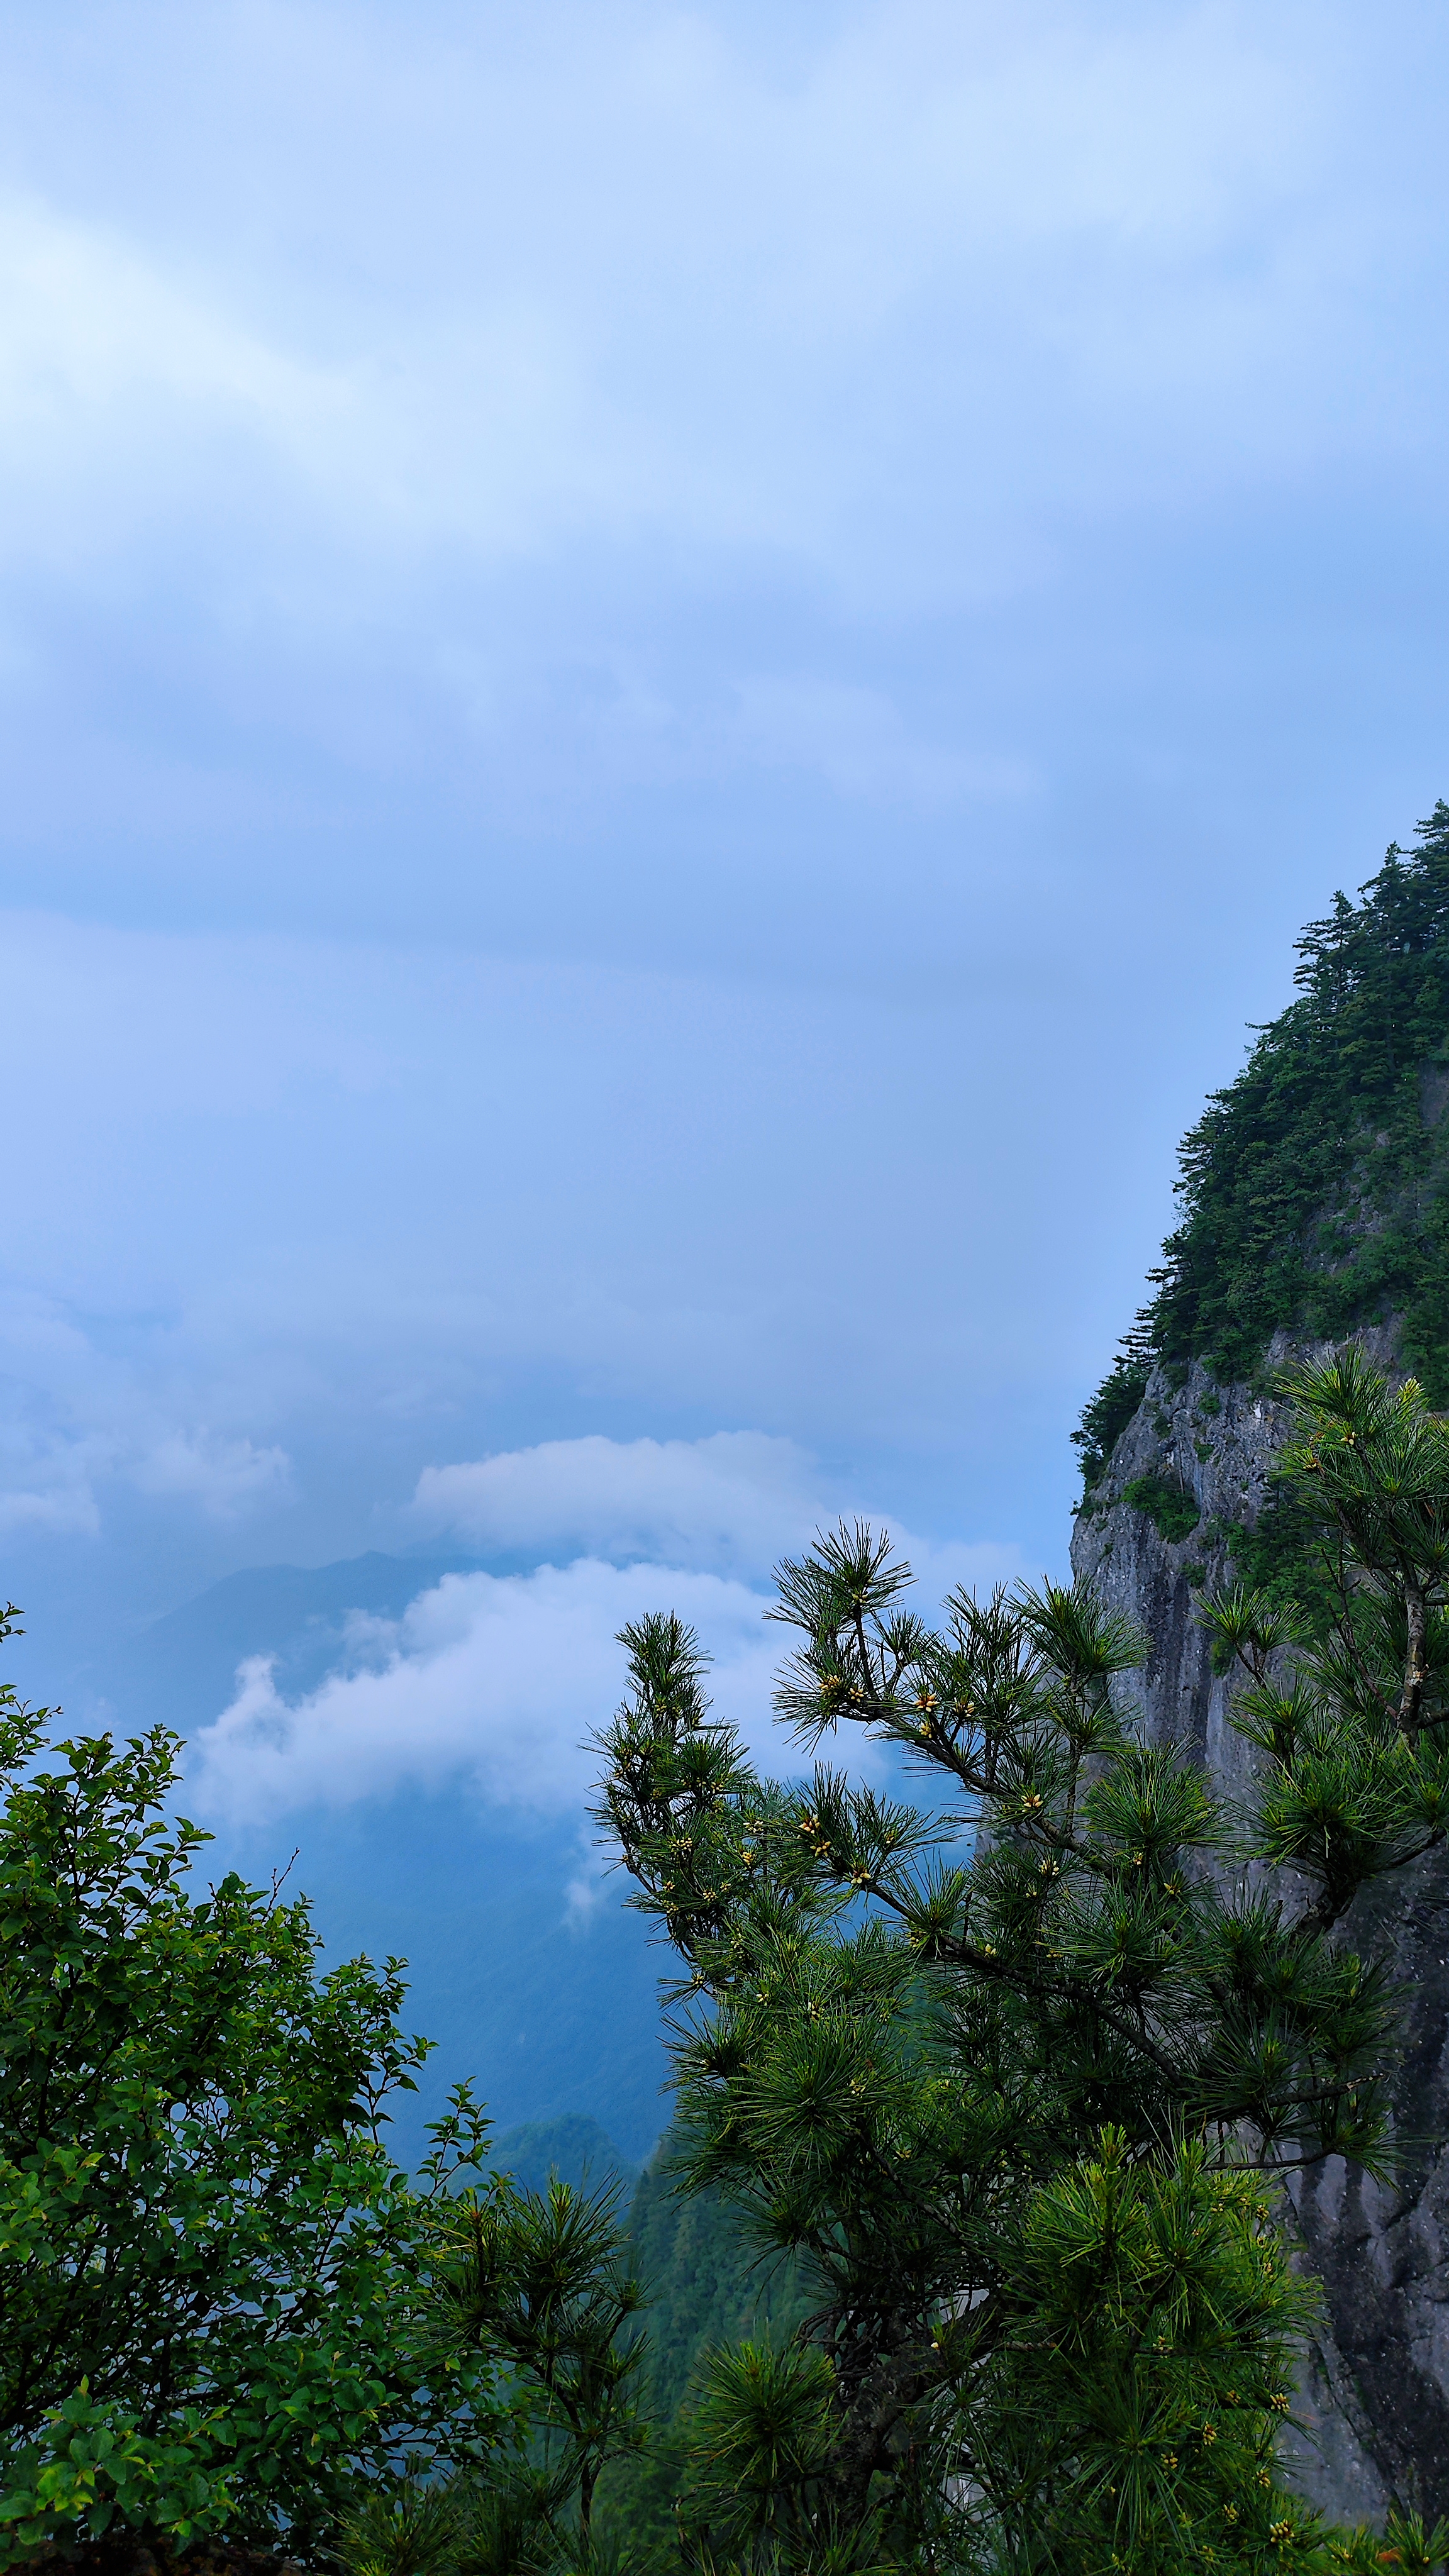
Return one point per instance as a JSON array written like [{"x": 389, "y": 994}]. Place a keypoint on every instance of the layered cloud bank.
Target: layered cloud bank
[
  {"x": 630, "y": 635},
  {"x": 76, "y": 1420},
  {"x": 734, "y": 1501},
  {"x": 497, "y": 1681}
]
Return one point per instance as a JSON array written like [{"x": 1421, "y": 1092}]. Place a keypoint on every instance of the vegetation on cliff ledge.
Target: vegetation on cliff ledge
[{"x": 1315, "y": 1188}]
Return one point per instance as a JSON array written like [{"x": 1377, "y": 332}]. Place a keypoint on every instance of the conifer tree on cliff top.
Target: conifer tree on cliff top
[
  {"x": 1313, "y": 1191},
  {"x": 1021, "y": 2078}
]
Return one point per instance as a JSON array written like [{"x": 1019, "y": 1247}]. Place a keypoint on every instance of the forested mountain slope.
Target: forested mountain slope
[
  {"x": 1315, "y": 1187},
  {"x": 1314, "y": 1205},
  {"x": 707, "y": 2286}
]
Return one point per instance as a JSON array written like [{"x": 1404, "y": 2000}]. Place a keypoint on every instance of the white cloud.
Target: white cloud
[
  {"x": 494, "y": 1680},
  {"x": 733, "y": 1502},
  {"x": 226, "y": 1477},
  {"x": 87, "y": 320},
  {"x": 630, "y": 272},
  {"x": 497, "y": 1680},
  {"x": 48, "y": 1488},
  {"x": 584, "y": 1893},
  {"x": 76, "y": 1418}
]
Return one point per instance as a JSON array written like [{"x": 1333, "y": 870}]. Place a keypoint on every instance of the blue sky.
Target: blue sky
[{"x": 670, "y": 680}]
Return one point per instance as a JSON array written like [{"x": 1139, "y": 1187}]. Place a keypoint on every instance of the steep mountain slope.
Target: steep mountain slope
[
  {"x": 708, "y": 2285},
  {"x": 572, "y": 2149},
  {"x": 1315, "y": 1198}
]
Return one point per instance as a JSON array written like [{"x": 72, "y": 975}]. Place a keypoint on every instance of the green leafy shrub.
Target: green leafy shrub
[
  {"x": 1172, "y": 1510},
  {"x": 227, "y": 2319},
  {"x": 212, "y": 2275}
]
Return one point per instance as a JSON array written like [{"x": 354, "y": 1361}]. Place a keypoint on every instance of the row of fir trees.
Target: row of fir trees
[{"x": 1313, "y": 1192}]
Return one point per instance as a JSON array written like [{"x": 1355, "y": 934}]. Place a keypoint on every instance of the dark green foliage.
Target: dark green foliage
[
  {"x": 707, "y": 2289},
  {"x": 760, "y": 2445},
  {"x": 1300, "y": 1559},
  {"x": 226, "y": 2317},
  {"x": 547, "y": 2280},
  {"x": 1151, "y": 2311},
  {"x": 706, "y": 2285},
  {"x": 408, "y": 2529},
  {"x": 1002, "y": 2103},
  {"x": 1287, "y": 1555},
  {"x": 1112, "y": 1408},
  {"x": 1315, "y": 1187},
  {"x": 543, "y": 2284},
  {"x": 1172, "y": 1510}
]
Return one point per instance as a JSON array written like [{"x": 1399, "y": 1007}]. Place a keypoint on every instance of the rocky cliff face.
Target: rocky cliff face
[{"x": 1375, "y": 2385}]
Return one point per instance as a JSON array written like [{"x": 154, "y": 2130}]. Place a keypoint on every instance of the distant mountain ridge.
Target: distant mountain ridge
[{"x": 181, "y": 1668}]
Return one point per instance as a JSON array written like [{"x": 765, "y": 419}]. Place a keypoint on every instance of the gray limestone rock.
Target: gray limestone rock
[{"x": 1373, "y": 2417}]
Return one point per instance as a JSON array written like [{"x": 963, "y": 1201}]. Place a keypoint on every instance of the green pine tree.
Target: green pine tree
[{"x": 1018, "y": 2078}]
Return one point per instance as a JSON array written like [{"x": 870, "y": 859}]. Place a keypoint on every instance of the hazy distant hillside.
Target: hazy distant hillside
[
  {"x": 572, "y": 2149},
  {"x": 181, "y": 1669}
]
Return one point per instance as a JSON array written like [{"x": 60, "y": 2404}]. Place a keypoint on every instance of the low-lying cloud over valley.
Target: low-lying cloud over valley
[{"x": 496, "y": 1681}]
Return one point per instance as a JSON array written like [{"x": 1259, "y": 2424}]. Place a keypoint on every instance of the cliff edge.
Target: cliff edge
[
  {"x": 1375, "y": 2389},
  {"x": 1315, "y": 1198}
]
